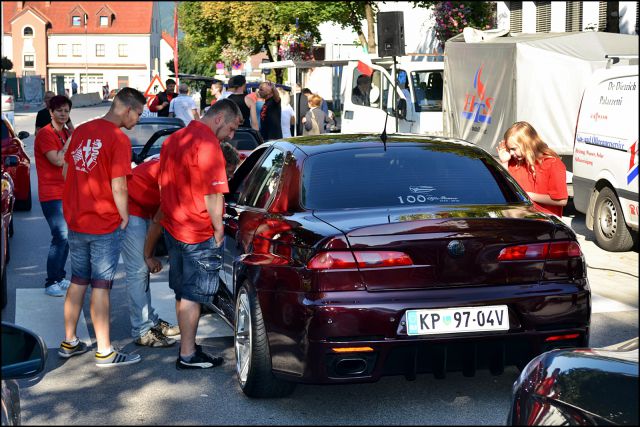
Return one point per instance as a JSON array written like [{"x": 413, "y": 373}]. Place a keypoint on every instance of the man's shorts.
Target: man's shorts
[
  {"x": 194, "y": 269},
  {"x": 94, "y": 258}
]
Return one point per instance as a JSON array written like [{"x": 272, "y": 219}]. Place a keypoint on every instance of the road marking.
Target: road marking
[{"x": 44, "y": 315}]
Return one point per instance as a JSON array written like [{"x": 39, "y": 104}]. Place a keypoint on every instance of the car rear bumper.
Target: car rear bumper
[{"x": 357, "y": 320}]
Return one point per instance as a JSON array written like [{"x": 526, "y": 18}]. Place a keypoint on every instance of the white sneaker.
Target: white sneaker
[
  {"x": 55, "y": 290},
  {"x": 64, "y": 283}
]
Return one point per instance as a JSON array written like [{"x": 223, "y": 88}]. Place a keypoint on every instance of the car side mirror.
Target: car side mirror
[
  {"x": 23, "y": 134},
  {"x": 11, "y": 161},
  {"x": 24, "y": 353},
  {"x": 401, "y": 108}
]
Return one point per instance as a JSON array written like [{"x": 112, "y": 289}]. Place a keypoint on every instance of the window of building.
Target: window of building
[
  {"x": 104, "y": 21},
  {"x": 75, "y": 49},
  {"x": 99, "y": 50},
  {"x": 28, "y": 32},
  {"x": 62, "y": 50},
  {"x": 123, "y": 81},
  {"x": 515, "y": 20},
  {"x": 122, "y": 50},
  {"x": 75, "y": 21},
  {"x": 574, "y": 16},
  {"x": 543, "y": 16},
  {"x": 29, "y": 61}
]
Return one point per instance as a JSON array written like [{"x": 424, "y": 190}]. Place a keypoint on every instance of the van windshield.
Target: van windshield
[{"x": 427, "y": 87}]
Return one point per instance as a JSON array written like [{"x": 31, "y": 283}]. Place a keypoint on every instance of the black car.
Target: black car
[
  {"x": 148, "y": 135},
  {"x": 24, "y": 355},
  {"x": 579, "y": 386}
]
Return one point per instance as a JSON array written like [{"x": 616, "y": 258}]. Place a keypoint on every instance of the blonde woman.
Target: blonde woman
[{"x": 535, "y": 166}]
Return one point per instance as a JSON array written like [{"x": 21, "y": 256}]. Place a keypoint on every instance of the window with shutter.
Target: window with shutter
[
  {"x": 574, "y": 16},
  {"x": 543, "y": 16},
  {"x": 515, "y": 10},
  {"x": 602, "y": 16}
]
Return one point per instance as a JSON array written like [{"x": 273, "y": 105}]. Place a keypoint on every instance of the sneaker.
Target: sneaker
[
  {"x": 116, "y": 358},
  {"x": 200, "y": 360},
  {"x": 155, "y": 338},
  {"x": 67, "y": 350},
  {"x": 166, "y": 328},
  {"x": 55, "y": 290},
  {"x": 64, "y": 283}
]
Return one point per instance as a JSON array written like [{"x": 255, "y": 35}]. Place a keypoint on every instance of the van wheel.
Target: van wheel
[
  {"x": 253, "y": 360},
  {"x": 612, "y": 233}
]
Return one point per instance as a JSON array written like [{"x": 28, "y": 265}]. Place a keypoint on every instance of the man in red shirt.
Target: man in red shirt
[
  {"x": 94, "y": 203},
  {"x": 160, "y": 103},
  {"x": 192, "y": 186}
]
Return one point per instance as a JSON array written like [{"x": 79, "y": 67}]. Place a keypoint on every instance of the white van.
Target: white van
[
  {"x": 420, "y": 86},
  {"x": 605, "y": 157}
]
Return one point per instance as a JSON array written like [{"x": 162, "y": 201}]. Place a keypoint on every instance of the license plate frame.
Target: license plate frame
[{"x": 439, "y": 321}]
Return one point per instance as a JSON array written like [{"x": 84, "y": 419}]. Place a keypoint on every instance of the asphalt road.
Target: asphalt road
[{"x": 75, "y": 392}]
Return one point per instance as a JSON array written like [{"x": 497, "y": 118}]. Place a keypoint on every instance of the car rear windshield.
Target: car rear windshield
[
  {"x": 141, "y": 133},
  {"x": 401, "y": 176}
]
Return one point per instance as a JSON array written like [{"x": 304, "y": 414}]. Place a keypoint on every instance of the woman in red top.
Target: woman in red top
[
  {"x": 50, "y": 145},
  {"x": 535, "y": 166}
]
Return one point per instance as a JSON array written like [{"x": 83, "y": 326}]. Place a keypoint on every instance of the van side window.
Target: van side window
[{"x": 427, "y": 86}]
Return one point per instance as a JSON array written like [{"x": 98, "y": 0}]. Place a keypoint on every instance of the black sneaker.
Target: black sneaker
[
  {"x": 166, "y": 328},
  {"x": 200, "y": 360}
]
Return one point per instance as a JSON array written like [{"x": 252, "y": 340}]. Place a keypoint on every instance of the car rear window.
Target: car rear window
[
  {"x": 244, "y": 141},
  {"x": 400, "y": 176},
  {"x": 141, "y": 133}
]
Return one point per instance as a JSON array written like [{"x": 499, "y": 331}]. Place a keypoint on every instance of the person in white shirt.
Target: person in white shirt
[
  {"x": 183, "y": 106},
  {"x": 287, "y": 115}
]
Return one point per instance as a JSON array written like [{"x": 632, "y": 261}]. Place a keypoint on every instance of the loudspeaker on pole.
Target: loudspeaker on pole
[{"x": 390, "y": 33}]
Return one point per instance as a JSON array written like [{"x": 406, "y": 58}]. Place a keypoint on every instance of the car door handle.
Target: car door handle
[{"x": 348, "y": 114}]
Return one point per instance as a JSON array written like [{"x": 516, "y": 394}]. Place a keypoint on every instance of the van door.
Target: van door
[{"x": 366, "y": 105}]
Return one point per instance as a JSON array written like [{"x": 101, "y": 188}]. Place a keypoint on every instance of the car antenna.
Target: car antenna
[{"x": 383, "y": 135}]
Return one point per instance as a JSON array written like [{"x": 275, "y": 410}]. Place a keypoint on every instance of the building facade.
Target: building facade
[{"x": 94, "y": 43}]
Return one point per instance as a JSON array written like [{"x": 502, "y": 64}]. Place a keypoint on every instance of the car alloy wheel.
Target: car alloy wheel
[
  {"x": 243, "y": 336},
  {"x": 253, "y": 359}
]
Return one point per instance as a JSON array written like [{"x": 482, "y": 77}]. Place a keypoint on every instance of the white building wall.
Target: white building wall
[
  {"x": 528, "y": 17},
  {"x": 166, "y": 54},
  {"x": 558, "y": 16},
  {"x": 590, "y": 15},
  {"x": 111, "y": 65},
  {"x": 7, "y": 46}
]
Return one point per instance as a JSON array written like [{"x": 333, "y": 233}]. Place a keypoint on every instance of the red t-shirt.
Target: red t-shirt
[
  {"x": 99, "y": 151},
  {"x": 550, "y": 179},
  {"x": 50, "y": 180},
  {"x": 191, "y": 166},
  {"x": 144, "y": 190}
]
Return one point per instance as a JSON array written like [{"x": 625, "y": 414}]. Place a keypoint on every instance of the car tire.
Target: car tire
[
  {"x": 609, "y": 227},
  {"x": 24, "y": 205},
  {"x": 253, "y": 360}
]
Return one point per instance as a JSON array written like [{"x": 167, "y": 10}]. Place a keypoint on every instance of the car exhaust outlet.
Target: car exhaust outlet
[{"x": 351, "y": 366}]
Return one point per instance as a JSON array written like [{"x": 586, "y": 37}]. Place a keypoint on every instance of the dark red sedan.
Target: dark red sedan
[
  {"x": 20, "y": 165},
  {"x": 346, "y": 259}
]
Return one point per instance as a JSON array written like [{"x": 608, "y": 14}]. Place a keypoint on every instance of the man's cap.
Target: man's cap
[{"x": 237, "y": 81}]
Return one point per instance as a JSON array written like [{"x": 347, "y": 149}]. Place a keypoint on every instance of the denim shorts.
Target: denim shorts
[
  {"x": 194, "y": 268},
  {"x": 94, "y": 257}
]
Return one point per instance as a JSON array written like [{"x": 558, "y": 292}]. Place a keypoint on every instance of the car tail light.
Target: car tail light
[
  {"x": 562, "y": 337},
  {"x": 541, "y": 251},
  {"x": 337, "y": 260}
]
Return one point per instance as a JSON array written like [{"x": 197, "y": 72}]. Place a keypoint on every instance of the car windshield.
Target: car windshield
[
  {"x": 141, "y": 133},
  {"x": 401, "y": 176}
]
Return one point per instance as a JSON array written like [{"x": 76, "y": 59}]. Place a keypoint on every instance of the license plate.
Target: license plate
[{"x": 456, "y": 320}]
